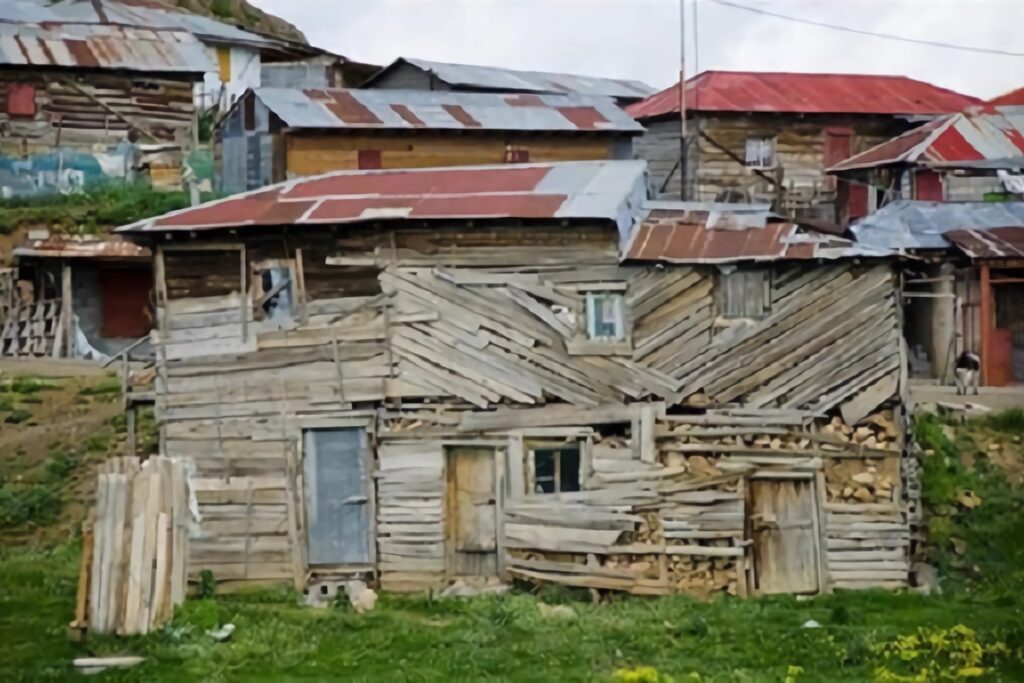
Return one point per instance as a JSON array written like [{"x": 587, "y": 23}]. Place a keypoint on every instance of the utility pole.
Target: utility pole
[{"x": 683, "y": 194}]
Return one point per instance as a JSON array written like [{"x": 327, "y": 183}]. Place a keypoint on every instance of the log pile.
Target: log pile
[{"x": 133, "y": 570}]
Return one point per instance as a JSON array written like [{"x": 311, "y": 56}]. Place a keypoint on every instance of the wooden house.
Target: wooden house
[
  {"x": 771, "y": 136},
  {"x": 958, "y": 157},
  {"x": 273, "y": 134},
  {"x": 961, "y": 283},
  {"x": 525, "y": 372},
  {"x": 79, "y": 297},
  {"x": 412, "y": 73},
  {"x": 83, "y": 102}
]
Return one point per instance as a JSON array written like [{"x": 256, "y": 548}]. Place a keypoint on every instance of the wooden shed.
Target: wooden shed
[
  {"x": 273, "y": 134},
  {"x": 523, "y": 372},
  {"x": 772, "y": 136}
]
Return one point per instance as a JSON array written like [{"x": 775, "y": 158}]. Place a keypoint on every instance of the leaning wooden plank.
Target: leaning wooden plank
[
  {"x": 179, "y": 525},
  {"x": 865, "y": 403},
  {"x": 95, "y": 585},
  {"x": 122, "y": 503},
  {"x": 158, "y": 610},
  {"x": 84, "y": 567}
]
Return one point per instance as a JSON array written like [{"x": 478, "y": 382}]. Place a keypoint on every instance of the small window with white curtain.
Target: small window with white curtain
[
  {"x": 760, "y": 152},
  {"x": 605, "y": 317}
]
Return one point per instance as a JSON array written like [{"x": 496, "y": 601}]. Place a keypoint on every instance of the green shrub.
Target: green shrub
[{"x": 21, "y": 504}]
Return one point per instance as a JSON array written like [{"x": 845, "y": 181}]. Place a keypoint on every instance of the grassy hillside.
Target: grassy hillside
[
  {"x": 973, "y": 631},
  {"x": 243, "y": 14}
]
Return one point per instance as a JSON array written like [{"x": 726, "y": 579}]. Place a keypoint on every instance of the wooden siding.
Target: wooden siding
[
  {"x": 800, "y": 149},
  {"x": 476, "y": 338},
  {"x": 312, "y": 154}
]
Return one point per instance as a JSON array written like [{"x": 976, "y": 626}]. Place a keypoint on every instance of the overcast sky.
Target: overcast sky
[{"x": 640, "y": 38}]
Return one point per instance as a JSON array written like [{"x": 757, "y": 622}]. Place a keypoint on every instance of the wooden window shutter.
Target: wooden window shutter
[
  {"x": 369, "y": 159},
  {"x": 21, "y": 99}
]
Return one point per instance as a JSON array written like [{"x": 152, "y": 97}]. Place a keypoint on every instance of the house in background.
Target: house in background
[
  {"x": 962, "y": 283},
  {"x": 409, "y": 73},
  {"x": 771, "y": 136},
  {"x": 82, "y": 102},
  {"x": 323, "y": 71},
  {"x": 79, "y": 297},
  {"x": 525, "y": 371},
  {"x": 236, "y": 55},
  {"x": 973, "y": 155},
  {"x": 273, "y": 134}
]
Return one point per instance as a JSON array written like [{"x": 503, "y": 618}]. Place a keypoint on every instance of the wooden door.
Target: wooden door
[
  {"x": 124, "y": 299},
  {"x": 472, "y": 512},
  {"x": 337, "y": 497},
  {"x": 782, "y": 526}
]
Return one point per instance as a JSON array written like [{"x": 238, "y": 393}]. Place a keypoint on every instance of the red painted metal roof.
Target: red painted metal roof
[
  {"x": 677, "y": 236},
  {"x": 579, "y": 189},
  {"x": 748, "y": 91},
  {"x": 991, "y": 243},
  {"x": 78, "y": 246},
  {"x": 985, "y": 136},
  {"x": 1014, "y": 98}
]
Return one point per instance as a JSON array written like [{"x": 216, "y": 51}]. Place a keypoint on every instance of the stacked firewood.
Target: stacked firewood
[
  {"x": 878, "y": 431},
  {"x": 702, "y": 576},
  {"x": 869, "y": 480}
]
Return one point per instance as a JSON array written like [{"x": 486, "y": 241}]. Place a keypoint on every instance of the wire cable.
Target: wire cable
[{"x": 862, "y": 32}]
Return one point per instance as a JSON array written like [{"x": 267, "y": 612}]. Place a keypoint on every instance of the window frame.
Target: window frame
[
  {"x": 726, "y": 311},
  {"x": 295, "y": 309},
  {"x": 619, "y": 318},
  {"x": 556, "y": 448},
  {"x": 758, "y": 159}
]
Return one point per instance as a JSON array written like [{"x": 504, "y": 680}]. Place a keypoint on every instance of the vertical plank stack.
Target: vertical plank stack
[{"x": 136, "y": 573}]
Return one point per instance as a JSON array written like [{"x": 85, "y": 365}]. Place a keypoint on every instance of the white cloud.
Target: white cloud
[{"x": 639, "y": 38}]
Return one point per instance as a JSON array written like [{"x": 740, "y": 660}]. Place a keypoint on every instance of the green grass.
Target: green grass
[
  {"x": 506, "y": 638},
  {"x": 99, "y": 208}
]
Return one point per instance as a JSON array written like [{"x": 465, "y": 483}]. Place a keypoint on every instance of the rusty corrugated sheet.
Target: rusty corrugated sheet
[
  {"x": 84, "y": 247},
  {"x": 91, "y": 46},
  {"x": 687, "y": 236},
  {"x": 512, "y": 80},
  {"x": 993, "y": 243},
  {"x": 804, "y": 93},
  {"x": 391, "y": 109},
  {"x": 608, "y": 190},
  {"x": 990, "y": 137}
]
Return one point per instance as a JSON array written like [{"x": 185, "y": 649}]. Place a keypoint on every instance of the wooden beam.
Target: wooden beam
[{"x": 986, "y": 323}]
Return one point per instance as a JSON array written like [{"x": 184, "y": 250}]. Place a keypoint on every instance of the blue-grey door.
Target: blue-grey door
[{"x": 337, "y": 490}]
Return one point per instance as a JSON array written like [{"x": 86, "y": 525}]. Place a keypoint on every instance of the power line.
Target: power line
[{"x": 849, "y": 29}]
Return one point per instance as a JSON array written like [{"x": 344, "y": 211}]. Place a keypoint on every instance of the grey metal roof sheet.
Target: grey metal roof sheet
[
  {"x": 415, "y": 109},
  {"x": 102, "y": 46},
  {"x": 499, "y": 78},
  {"x": 156, "y": 18},
  {"x": 907, "y": 225}
]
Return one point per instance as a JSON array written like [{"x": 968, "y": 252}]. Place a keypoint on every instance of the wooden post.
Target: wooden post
[
  {"x": 130, "y": 420},
  {"x": 986, "y": 323},
  {"x": 66, "y": 310},
  {"x": 160, "y": 285}
]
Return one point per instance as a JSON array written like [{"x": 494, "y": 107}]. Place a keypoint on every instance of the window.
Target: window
[
  {"x": 604, "y": 316},
  {"x": 745, "y": 292},
  {"x": 761, "y": 152},
  {"x": 249, "y": 111},
  {"x": 515, "y": 155},
  {"x": 21, "y": 99},
  {"x": 275, "y": 294},
  {"x": 369, "y": 159},
  {"x": 556, "y": 469}
]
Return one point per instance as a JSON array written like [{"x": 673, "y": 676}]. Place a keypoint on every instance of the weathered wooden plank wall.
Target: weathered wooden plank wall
[{"x": 414, "y": 333}]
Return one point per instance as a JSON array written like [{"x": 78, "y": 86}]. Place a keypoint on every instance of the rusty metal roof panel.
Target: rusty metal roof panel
[
  {"x": 1001, "y": 243},
  {"x": 84, "y": 247},
  {"x": 804, "y": 93},
  {"x": 987, "y": 136},
  {"x": 512, "y": 80},
  {"x": 694, "y": 236},
  {"x": 101, "y": 46},
  {"x": 907, "y": 225},
  {"x": 412, "y": 109},
  {"x": 608, "y": 190}
]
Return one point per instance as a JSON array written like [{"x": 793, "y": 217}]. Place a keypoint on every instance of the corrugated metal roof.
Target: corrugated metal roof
[
  {"x": 907, "y": 225},
  {"x": 511, "y": 80},
  {"x": 989, "y": 136},
  {"x": 79, "y": 246},
  {"x": 157, "y": 17},
  {"x": 688, "y": 236},
  {"x": 102, "y": 46},
  {"x": 992, "y": 243},
  {"x": 446, "y": 110},
  {"x": 805, "y": 93},
  {"x": 611, "y": 190},
  {"x": 1014, "y": 98}
]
